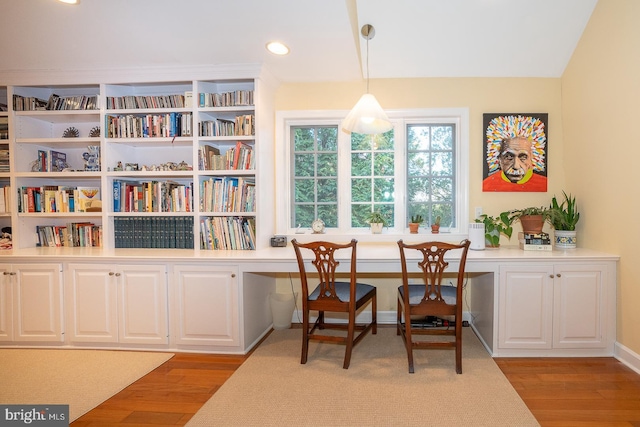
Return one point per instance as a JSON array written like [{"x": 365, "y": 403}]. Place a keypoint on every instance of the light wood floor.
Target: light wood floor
[{"x": 559, "y": 391}]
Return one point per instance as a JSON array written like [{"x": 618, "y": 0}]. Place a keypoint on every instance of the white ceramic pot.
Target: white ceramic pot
[
  {"x": 376, "y": 227},
  {"x": 564, "y": 239}
]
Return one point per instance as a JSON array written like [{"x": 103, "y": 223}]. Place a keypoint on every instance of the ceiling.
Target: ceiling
[{"x": 414, "y": 38}]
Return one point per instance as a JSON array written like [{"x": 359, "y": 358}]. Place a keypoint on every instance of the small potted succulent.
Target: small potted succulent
[
  {"x": 377, "y": 221},
  {"x": 415, "y": 222},
  {"x": 435, "y": 227}
]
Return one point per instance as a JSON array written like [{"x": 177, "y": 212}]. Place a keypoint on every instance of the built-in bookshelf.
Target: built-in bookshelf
[
  {"x": 6, "y": 239},
  {"x": 173, "y": 164}
]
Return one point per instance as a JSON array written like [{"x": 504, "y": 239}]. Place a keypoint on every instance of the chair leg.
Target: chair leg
[
  {"x": 399, "y": 322},
  {"x": 305, "y": 337},
  {"x": 408, "y": 343},
  {"x": 374, "y": 315},
  {"x": 350, "y": 336},
  {"x": 458, "y": 347}
]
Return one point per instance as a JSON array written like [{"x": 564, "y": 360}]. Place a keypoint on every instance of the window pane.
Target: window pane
[
  {"x": 315, "y": 156},
  {"x": 327, "y": 190},
  {"x": 304, "y": 190},
  {"x": 304, "y": 165},
  {"x": 430, "y": 172},
  {"x": 361, "y": 164},
  {"x": 328, "y": 164},
  {"x": 303, "y": 139},
  {"x": 361, "y": 190},
  {"x": 383, "y": 190},
  {"x": 383, "y": 164}
]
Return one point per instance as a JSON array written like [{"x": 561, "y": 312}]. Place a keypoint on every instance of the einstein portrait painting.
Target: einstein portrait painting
[{"x": 515, "y": 152}]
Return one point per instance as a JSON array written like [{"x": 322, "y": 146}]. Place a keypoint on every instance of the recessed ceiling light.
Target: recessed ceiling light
[
  {"x": 69, "y": 1},
  {"x": 277, "y": 48}
]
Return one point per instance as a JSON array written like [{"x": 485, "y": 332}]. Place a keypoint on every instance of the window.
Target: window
[{"x": 418, "y": 167}]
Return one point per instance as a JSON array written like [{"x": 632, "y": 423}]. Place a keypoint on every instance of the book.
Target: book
[
  {"x": 57, "y": 161},
  {"x": 85, "y": 197}
]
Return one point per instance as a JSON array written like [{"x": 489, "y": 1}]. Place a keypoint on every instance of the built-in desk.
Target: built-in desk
[{"x": 522, "y": 303}]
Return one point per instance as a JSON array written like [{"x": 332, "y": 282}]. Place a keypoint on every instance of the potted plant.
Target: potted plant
[
  {"x": 494, "y": 227},
  {"x": 564, "y": 217},
  {"x": 435, "y": 227},
  {"x": 415, "y": 222},
  {"x": 532, "y": 219},
  {"x": 377, "y": 221}
]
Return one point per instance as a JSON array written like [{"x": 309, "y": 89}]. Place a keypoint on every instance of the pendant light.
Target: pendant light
[{"x": 367, "y": 116}]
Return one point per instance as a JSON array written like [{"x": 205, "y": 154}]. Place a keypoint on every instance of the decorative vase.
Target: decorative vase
[
  {"x": 413, "y": 227},
  {"x": 493, "y": 236},
  {"x": 532, "y": 224},
  {"x": 564, "y": 239},
  {"x": 435, "y": 228},
  {"x": 376, "y": 227}
]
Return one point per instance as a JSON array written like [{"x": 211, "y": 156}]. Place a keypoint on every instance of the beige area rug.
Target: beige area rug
[
  {"x": 81, "y": 379},
  {"x": 272, "y": 388}
]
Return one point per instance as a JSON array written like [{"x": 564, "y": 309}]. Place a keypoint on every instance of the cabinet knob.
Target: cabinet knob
[
  {"x": 117, "y": 274},
  {"x": 111, "y": 273},
  {"x": 233, "y": 275},
  {"x": 6, "y": 273},
  {"x": 551, "y": 276},
  {"x": 558, "y": 275}
]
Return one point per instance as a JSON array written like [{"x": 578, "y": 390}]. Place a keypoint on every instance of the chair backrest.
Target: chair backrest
[
  {"x": 432, "y": 266},
  {"x": 326, "y": 267}
]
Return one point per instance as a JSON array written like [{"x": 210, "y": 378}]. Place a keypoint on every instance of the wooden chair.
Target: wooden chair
[
  {"x": 333, "y": 296},
  {"x": 430, "y": 298}
]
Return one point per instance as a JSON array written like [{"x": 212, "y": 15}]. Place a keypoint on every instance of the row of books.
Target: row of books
[
  {"x": 148, "y": 101},
  {"x": 81, "y": 102},
  {"x": 51, "y": 161},
  {"x": 228, "y": 194},
  {"x": 74, "y": 234},
  {"x": 534, "y": 242},
  {"x": 4, "y": 158},
  {"x": 152, "y": 196},
  {"x": 55, "y": 102},
  {"x": 226, "y": 99},
  {"x": 5, "y": 199},
  {"x": 239, "y": 157},
  {"x": 52, "y": 198},
  {"x": 4, "y": 127},
  {"x": 153, "y": 232},
  {"x": 243, "y": 125},
  {"x": 227, "y": 233},
  {"x": 148, "y": 125}
]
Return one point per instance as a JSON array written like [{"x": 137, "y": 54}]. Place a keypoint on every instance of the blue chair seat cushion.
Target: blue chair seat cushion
[
  {"x": 416, "y": 293},
  {"x": 342, "y": 291}
]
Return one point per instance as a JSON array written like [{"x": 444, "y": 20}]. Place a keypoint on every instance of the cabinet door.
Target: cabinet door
[
  {"x": 206, "y": 305},
  {"x": 38, "y": 302},
  {"x": 143, "y": 304},
  {"x": 580, "y": 307},
  {"x": 525, "y": 308},
  {"x": 6, "y": 303},
  {"x": 91, "y": 299}
]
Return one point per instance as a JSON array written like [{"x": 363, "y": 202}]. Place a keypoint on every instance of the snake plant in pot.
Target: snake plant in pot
[{"x": 564, "y": 217}]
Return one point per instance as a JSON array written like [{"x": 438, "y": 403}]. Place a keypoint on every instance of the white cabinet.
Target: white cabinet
[
  {"x": 555, "y": 306},
  {"x": 31, "y": 303},
  {"x": 120, "y": 303},
  {"x": 206, "y": 306}
]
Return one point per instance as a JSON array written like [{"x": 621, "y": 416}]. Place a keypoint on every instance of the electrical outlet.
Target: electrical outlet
[{"x": 478, "y": 211}]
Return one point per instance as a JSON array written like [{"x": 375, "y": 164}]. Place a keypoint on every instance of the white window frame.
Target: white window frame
[{"x": 400, "y": 119}]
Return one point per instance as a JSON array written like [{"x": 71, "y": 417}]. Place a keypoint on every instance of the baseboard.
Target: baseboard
[{"x": 627, "y": 356}]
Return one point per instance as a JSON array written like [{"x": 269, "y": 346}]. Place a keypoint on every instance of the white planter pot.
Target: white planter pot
[
  {"x": 376, "y": 227},
  {"x": 565, "y": 239}
]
